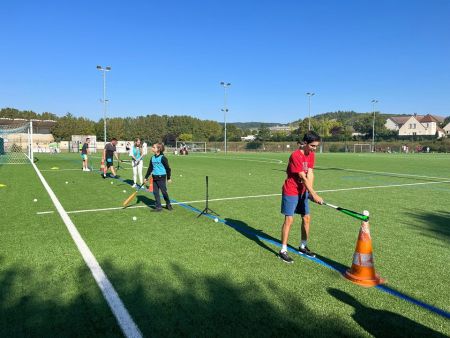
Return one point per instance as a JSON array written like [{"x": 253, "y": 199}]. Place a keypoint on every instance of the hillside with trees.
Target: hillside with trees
[{"x": 333, "y": 126}]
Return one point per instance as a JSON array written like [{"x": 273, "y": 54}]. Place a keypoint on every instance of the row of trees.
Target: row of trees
[{"x": 338, "y": 125}]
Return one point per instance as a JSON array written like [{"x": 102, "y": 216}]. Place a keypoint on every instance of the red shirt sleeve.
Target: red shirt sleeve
[{"x": 296, "y": 163}]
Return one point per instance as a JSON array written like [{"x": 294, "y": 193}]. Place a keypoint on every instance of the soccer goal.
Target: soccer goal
[
  {"x": 195, "y": 147},
  {"x": 16, "y": 140},
  {"x": 362, "y": 148}
]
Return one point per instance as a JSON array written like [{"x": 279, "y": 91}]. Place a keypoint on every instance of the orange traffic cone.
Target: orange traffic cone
[
  {"x": 150, "y": 186},
  {"x": 362, "y": 271}
]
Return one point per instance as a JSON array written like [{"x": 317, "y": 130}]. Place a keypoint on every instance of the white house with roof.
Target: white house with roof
[
  {"x": 447, "y": 129},
  {"x": 416, "y": 125}
]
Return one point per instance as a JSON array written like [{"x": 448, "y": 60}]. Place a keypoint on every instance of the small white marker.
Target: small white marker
[
  {"x": 124, "y": 191},
  {"x": 112, "y": 182},
  {"x": 181, "y": 175},
  {"x": 216, "y": 220},
  {"x": 67, "y": 182},
  {"x": 134, "y": 218},
  {"x": 35, "y": 200}
]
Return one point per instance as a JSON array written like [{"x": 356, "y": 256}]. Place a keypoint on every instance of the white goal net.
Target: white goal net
[
  {"x": 16, "y": 141},
  {"x": 362, "y": 148},
  {"x": 194, "y": 147}
]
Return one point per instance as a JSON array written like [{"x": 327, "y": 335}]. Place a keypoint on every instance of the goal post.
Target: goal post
[
  {"x": 16, "y": 143},
  {"x": 195, "y": 147},
  {"x": 362, "y": 148}
]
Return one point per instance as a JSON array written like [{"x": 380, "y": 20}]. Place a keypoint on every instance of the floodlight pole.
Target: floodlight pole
[
  {"x": 373, "y": 124},
  {"x": 105, "y": 101},
  {"x": 309, "y": 109},
  {"x": 225, "y": 111}
]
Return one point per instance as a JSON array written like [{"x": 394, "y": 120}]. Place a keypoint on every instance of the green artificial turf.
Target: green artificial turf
[{"x": 182, "y": 275}]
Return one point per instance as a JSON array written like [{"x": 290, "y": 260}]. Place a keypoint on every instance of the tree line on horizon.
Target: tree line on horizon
[{"x": 338, "y": 125}]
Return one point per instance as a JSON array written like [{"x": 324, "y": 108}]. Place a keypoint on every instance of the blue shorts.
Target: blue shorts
[
  {"x": 295, "y": 204},
  {"x": 84, "y": 157}
]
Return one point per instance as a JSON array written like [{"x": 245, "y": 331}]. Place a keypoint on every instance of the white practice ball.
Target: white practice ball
[
  {"x": 216, "y": 220},
  {"x": 67, "y": 182},
  {"x": 181, "y": 175},
  {"x": 124, "y": 191},
  {"x": 134, "y": 218},
  {"x": 112, "y": 182},
  {"x": 35, "y": 200},
  {"x": 365, "y": 213}
]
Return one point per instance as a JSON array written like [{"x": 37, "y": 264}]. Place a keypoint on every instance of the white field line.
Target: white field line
[
  {"x": 386, "y": 173},
  {"x": 126, "y": 323},
  {"x": 272, "y": 161},
  {"x": 245, "y": 197},
  {"x": 56, "y": 170}
]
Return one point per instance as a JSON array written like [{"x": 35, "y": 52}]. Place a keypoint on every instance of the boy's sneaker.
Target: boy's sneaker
[
  {"x": 134, "y": 185},
  {"x": 285, "y": 258},
  {"x": 169, "y": 207},
  {"x": 157, "y": 210},
  {"x": 306, "y": 251}
]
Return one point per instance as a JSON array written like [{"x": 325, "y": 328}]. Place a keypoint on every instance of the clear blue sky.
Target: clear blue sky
[{"x": 168, "y": 57}]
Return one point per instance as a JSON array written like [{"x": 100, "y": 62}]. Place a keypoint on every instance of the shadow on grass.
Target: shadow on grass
[
  {"x": 142, "y": 199},
  {"x": 32, "y": 304},
  {"x": 434, "y": 224},
  {"x": 169, "y": 301},
  {"x": 382, "y": 323},
  {"x": 257, "y": 236}
]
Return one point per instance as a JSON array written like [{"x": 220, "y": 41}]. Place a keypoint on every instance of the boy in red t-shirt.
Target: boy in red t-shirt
[{"x": 297, "y": 188}]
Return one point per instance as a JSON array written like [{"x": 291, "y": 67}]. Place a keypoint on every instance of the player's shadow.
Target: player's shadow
[
  {"x": 128, "y": 181},
  {"x": 142, "y": 199},
  {"x": 382, "y": 323},
  {"x": 257, "y": 236},
  {"x": 434, "y": 224}
]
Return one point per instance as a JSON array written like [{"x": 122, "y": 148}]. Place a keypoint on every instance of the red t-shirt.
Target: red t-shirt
[{"x": 298, "y": 162}]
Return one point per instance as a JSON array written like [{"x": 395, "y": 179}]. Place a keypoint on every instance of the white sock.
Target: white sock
[
  {"x": 303, "y": 244},
  {"x": 284, "y": 248}
]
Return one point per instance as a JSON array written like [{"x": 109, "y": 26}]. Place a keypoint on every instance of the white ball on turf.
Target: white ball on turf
[
  {"x": 112, "y": 182},
  {"x": 124, "y": 191},
  {"x": 216, "y": 220},
  {"x": 67, "y": 182},
  {"x": 181, "y": 175},
  {"x": 35, "y": 200},
  {"x": 134, "y": 218},
  {"x": 365, "y": 213}
]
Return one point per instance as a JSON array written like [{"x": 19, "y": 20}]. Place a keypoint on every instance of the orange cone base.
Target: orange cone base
[{"x": 376, "y": 280}]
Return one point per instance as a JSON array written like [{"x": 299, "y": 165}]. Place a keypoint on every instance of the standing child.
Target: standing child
[
  {"x": 160, "y": 170},
  {"x": 108, "y": 154},
  {"x": 84, "y": 154},
  {"x": 137, "y": 154},
  {"x": 297, "y": 189}
]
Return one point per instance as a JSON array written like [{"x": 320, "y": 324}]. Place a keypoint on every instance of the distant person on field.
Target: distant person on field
[
  {"x": 108, "y": 154},
  {"x": 160, "y": 171},
  {"x": 128, "y": 147},
  {"x": 84, "y": 154},
  {"x": 137, "y": 155},
  {"x": 297, "y": 189}
]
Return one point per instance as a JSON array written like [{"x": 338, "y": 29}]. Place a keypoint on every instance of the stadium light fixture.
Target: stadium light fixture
[
  {"x": 105, "y": 100},
  {"x": 373, "y": 124},
  {"x": 309, "y": 109},
  {"x": 225, "y": 85}
]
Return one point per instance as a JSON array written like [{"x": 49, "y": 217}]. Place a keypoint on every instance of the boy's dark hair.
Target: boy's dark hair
[
  {"x": 311, "y": 136},
  {"x": 113, "y": 139},
  {"x": 160, "y": 147}
]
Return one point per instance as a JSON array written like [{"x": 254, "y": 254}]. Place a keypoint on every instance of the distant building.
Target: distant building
[
  {"x": 416, "y": 125},
  {"x": 447, "y": 129},
  {"x": 248, "y": 138},
  {"x": 279, "y": 128}
]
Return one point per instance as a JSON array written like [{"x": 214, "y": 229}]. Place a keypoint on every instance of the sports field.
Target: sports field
[{"x": 177, "y": 274}]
